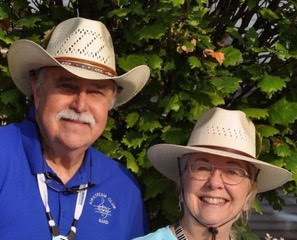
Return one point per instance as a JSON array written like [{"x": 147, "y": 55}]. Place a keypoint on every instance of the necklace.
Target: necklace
[{"x": 180, "y": 234}]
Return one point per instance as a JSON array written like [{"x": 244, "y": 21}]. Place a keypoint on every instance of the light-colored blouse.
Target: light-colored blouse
[{"x": 161, "y": 234}]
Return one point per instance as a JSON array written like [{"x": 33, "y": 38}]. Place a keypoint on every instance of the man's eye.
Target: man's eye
[
  {"x": 96, "y": 91},
  {"x": 68, "y": 87}
]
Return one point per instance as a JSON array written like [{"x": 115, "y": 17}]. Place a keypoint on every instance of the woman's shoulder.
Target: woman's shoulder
[{"x": 161, "y": 234}]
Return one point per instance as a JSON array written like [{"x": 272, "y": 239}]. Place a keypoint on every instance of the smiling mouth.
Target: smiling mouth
[{"x": 211, "y": 200}]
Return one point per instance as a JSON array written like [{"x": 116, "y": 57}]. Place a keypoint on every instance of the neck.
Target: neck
[
  {"x": 195, "y": 230},
  {"x": 64, "y": 165}
]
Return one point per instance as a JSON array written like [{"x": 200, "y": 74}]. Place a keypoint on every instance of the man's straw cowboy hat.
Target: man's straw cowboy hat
[
  {"x": 81, "y": 46},
  {"x": 224, "y": 133}
]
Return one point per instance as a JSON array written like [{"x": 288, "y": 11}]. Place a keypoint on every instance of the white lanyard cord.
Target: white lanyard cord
[{"x": 80, "y": 201}]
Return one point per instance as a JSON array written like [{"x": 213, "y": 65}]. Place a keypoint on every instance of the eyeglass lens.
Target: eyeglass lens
[{"x": 231, "y": 175}]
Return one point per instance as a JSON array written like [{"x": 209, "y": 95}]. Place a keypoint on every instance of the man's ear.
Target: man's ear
[{"x": 34, "y": 90}]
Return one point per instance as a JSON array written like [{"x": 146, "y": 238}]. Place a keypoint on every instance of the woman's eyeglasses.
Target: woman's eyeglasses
[{"x": 202, "y": 171}]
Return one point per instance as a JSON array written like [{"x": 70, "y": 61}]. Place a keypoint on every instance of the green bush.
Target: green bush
[{"x": 184, "y": 43}]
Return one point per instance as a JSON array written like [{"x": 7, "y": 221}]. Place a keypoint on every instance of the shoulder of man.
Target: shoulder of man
[{"x": 9, "y": 134}]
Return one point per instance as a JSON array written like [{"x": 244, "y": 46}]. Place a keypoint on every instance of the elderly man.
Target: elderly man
[{"x": 53, "y": 184}]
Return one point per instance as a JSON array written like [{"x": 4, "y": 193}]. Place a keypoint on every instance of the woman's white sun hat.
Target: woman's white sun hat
[
  {"x": 81, "y": 46},
  {"x": 224, "y": 133}
]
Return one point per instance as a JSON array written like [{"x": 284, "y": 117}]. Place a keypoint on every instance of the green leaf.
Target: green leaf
[
  {"x": 5, "y": 38},
  {"x": 256, "y": 113},
  {"x": 142, "y": 159},
  {"x": 131, "y": 61},
  {"x": 282, "y": 150},
  {"x": 256, "y": 207},
  {"x": 108, "y": 147},
  {"x": 252, "y": 3},
  {"x": 149, "y": 122},
  {"x": 174, "y": 136},
  {"x": 3, "y": 11},
  {"x": 29, "y": 22},
  {"x": 291, "y": 162},
  {"x": 173, "y": 104},
  {"x": 271, "y": 84},
  {"x": 132, "y": 119},
  {"x": 196, "y": 111},
  {"x": 154, "y": 61},
  {"x": 134, "y": 139},
  {"x": 215, "y": 98},
  {"x": 155, "y": 31},
  {"x": 283, "y": 112},
  {"x": 252, "y": 39},
  {"x": 131, "y": 162},
  {"x": 226, "y": 84},
  {"x": 267, "y": 130},
  {"x": 169, "y": 66},
  {"x": 194, "y": 62},
  {"x": 121, "y": 12},
  {"x": 177, "y": 3},
  {"x": 9, "y": 96},
  {"x": 281, "y": 51},
  {"x": 234, "y": 33},
  {"x": 269, "y": 14},
  {"x": 154, "y": 187},
  {"x": 232, "y": 56}
]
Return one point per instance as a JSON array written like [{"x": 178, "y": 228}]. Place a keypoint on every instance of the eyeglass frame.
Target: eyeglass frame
[{"x": 251, "y": 173}]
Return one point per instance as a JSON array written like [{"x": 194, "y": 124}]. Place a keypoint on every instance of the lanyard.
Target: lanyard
[
  {"x": 80, "y": 201},
  {"x": 180, "y": 235}
]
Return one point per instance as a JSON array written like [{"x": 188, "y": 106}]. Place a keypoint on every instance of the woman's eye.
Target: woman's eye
[
  {"x": 199, "y": 168},
  {"x": 234, "y": 171}
]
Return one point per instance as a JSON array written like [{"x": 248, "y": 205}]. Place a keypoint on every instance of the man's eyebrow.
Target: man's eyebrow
[
  {"x": 64, "y": 79},
  {"x": 98, "y": 85}
]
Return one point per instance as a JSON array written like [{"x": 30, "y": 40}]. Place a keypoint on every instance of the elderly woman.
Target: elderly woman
[{"x": 217, "y": 174}]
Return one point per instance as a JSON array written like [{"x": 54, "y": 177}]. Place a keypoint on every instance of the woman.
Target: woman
[{"x": 217, "y": 174}]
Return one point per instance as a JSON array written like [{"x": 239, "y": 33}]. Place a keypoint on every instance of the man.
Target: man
[{"x": 53, "y": 184}]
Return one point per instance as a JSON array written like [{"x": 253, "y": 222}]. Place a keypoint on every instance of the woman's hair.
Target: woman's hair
[{"x": 243, "y": 217}]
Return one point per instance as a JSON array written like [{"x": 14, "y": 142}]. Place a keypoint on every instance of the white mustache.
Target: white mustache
[{"x": 72, "y": 115}]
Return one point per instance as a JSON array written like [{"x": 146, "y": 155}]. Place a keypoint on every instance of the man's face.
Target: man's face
[{"x": 71, "y": 112}]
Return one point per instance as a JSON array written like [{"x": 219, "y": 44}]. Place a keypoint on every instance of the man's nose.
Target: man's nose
[{"x": 79, "y": 102}]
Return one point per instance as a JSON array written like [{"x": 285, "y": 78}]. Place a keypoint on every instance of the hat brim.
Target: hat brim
[
  {"x": 25, "y": 55},
  {"x": 164, "y": 158}
]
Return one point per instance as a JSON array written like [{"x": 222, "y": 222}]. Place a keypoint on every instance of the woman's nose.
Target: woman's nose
[{"x": 215, "y": 180}]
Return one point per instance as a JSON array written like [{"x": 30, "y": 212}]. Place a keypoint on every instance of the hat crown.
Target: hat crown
[
  {"x": 82, "y": 39},
  {"x": 225, "y": 129}
]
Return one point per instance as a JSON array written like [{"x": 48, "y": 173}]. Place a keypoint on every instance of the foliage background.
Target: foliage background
[{"x": 183, "y": 42}]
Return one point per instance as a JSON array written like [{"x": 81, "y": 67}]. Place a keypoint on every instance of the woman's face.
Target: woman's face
[{"x": 215, "y": 188}]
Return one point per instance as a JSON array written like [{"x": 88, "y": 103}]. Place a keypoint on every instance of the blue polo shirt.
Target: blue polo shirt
[{"x": 113, "y": 208}]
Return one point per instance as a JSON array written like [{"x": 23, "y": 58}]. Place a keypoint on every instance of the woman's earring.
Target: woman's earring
[{"x": 180, "y": 204}]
